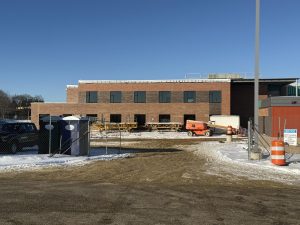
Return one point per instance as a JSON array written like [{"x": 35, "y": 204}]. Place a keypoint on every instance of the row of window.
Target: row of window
[
  {"x": 141, "y": 118},
  {"x": 164, "y": 97}
]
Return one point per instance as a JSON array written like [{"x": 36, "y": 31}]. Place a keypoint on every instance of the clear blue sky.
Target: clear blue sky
[{"x": 47, "y": 44}]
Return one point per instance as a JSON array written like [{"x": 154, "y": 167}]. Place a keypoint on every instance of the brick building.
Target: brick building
[
  {"x": 142, "y": 101},
  {"x": 160, "y": 100},
  {"x": 279, "y": 113},
  {"x": 242, "y": 94}
]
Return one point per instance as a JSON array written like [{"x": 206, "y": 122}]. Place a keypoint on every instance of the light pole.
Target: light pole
[{"x": 256, "y": 83}]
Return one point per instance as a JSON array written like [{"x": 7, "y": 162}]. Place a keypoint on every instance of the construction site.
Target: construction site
[
  {"x": 178, "y": 153},
  {"x": 163, "y": 180},
  {"x": 158, "y": 112}
]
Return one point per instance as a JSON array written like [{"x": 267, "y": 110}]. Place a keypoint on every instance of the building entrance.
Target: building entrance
[{"x": 140, "y": 119}]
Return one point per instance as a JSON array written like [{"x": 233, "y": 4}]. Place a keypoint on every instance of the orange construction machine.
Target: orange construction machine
[{"x": 197, "y": 128}]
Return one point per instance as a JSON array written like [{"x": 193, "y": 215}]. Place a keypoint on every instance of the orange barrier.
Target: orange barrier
[{"x": 278, "y": 153}]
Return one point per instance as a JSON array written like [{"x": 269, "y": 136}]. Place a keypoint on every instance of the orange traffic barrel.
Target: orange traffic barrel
[
  {"x": 278, "y": 153},
  {"x": 229, "y": 130}
]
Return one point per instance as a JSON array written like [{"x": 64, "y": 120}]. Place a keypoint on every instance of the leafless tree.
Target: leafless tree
[
  {"x": 5, "y": 104},
  {"x": 22, "y": 104},
  {"x": 17, "y": 106}
]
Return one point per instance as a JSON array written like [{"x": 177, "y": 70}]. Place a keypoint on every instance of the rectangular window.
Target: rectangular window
[
  {"x": 115, "y": 118},
  {"x": 164, "y": 97},
  {"x": 274, "y": 90},
  {"x": 115, "y": 97},
  {"x": 164, "y": 118},
  {"x": 92, "y": 117},
  {"x": 139, "y": 96},
  {"x": 215, "y": 96},
  {"x": 91, "y": 97},
  {"x": 43, "y": 115},
  {"x": 189, "y": 97}
]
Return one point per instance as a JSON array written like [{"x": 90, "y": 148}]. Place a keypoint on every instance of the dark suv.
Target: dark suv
[{"x": 16, "y": 135}]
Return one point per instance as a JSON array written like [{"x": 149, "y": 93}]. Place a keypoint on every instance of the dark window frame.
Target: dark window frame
[
  {"x": 115, "y": 116},
  {"x": 161, "y": 119},
  {"x": 92, "y": 117},
  {"x": 189, "y": 94},
  {"x": 91, "y": 97},
  {"x": 164, "y": 96},
  {"x": 115, "y": 97},
  {"x": 139, "y": 97},
  {"x": 215, "y": 96}
]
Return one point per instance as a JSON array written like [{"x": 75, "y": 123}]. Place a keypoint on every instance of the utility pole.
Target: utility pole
[
  {"x": 297, "y": 94},
  {"x": 256, "y": 83}
]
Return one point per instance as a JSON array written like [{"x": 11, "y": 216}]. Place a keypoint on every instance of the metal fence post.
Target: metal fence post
[
  {"x": 105, "y": 137},
  {"x": 50, "y": 137},
  {"x": 88, "y": 138},
  {"x": 249, "y": 139},
  {"x": 120, "y": 140}
]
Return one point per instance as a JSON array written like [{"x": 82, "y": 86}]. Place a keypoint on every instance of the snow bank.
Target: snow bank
[
  {"x": 232, "y": 158},
  {"x": 30, "y": 159}
]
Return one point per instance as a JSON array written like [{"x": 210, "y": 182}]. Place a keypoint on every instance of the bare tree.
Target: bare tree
[
  {"x": 5, "y": 104},
  {"x": 22, "y": 104}
]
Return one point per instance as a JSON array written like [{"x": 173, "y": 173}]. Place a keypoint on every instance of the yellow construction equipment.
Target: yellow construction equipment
[{"x": 113, "y": 126}]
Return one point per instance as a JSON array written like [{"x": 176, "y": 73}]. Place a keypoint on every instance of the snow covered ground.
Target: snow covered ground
[
  {"x": 30, "y": 159},
  {"x": 223, "y": 159},
  {"x": 150, "y": 135},
  {"x": 232, "y": 159}
]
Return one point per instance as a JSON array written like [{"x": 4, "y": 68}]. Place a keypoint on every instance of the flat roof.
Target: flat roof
[
  {"x": 72, "y": 86},
  {"x": 268, "y": 80},
  {"x": 153, "y": 81},
  {"x": 207, "y": 80}
]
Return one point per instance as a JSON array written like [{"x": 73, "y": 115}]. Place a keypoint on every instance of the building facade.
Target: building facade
[
  {"x": 142, "y": 101},
  {"x": 279, "y": 113},
  {"x": 242, "y": 94},
  {"x": 145, "y": 101}
]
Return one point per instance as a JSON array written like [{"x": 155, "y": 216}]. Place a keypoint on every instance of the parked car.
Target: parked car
[{"x": 16, "y": 135}]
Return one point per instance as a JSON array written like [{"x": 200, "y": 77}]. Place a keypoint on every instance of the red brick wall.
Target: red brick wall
[
  {"x": 72, "y": 95},
  {"x": 152, "y": 110},
  {"x": 127, "y": 110},
  {"x": 207, "y": 86}
]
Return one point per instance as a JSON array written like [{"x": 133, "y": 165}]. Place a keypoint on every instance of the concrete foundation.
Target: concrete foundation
[{"x": 255, "y": 155}]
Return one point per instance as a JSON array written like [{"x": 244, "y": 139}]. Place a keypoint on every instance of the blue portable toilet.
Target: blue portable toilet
[
  {"x": 47, "y": 124},
  {"x": 74, "y": 136}
]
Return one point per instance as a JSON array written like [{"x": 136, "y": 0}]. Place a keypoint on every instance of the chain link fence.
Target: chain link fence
[
  {"x": 265, "y": 139},
  {"x": 58, "y": 135}
]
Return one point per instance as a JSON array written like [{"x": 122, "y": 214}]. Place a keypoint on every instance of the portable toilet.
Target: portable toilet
[
  {"x": 49, "y": 129},
  {"x": 84, "y": 134},
  {"x": 74, "y": 136}
]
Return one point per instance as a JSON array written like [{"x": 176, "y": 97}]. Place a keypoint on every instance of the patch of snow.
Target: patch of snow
[
  {"x": 232, "y": 158},
  {"x": 30, "y": 159},
  {"x": 150, "y": 135}
]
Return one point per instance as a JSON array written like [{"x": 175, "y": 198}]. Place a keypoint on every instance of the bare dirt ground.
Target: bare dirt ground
[{"x": 155, "y": 187}]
